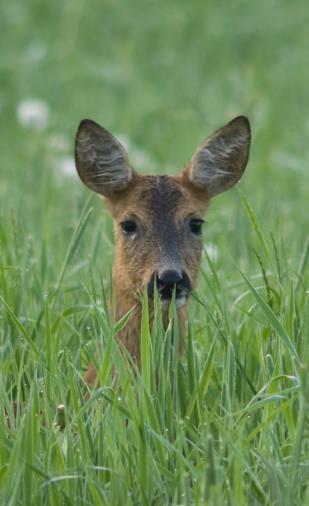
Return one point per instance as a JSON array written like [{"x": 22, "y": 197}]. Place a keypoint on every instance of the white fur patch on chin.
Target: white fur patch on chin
[{"x": 180, "y": 301}]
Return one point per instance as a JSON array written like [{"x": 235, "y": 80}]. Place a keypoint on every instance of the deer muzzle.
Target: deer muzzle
[{"x": 169, "y": 282}]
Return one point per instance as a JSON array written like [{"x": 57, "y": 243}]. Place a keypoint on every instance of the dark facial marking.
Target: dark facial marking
[{"x": 163, "y": 197}]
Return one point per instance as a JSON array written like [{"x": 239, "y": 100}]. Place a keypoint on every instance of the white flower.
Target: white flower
[
  {"x": 139, "y": 158},
  {"x": 212, "y": 251},
  {"x": 67, "y": 166},
  {"x": 124, "y": 140},
  {"x": 58, "y": 142},
  {"x": 33, "y": 113},
  {"x": 35, "y": 52}
]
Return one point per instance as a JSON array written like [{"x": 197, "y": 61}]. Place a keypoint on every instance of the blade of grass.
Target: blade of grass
[
  {"x": 273, "y": 320},
  {"x": 76, "y": 237},
  {"x": 254, "y": 222},
  {"x": 145, "y": 344},
  {"x": 20, "y": 328}
]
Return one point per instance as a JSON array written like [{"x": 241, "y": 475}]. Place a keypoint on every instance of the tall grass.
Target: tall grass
[{"x": 225, "y": 423}]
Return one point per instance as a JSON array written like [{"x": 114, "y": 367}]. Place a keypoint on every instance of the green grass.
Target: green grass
[{"x": 228, "y": 423}]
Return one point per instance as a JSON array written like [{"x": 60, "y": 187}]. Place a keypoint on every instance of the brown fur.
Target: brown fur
[
  {"x": 151, "y": 200},
  {"x": 161, "y": 207}
]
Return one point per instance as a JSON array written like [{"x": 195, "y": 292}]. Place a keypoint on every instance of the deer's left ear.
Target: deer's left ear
[
  {"x": 101, "y": 161},
  {"x": 221, "y": 160}
]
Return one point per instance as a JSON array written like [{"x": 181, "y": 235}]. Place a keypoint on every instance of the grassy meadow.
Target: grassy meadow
[{"x": 228, "y": 423}]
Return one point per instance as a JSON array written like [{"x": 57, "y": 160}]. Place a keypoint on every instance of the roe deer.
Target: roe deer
[{"x": 158, "y": 219}]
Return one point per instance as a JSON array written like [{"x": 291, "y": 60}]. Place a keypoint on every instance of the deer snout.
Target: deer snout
[{"x": 169, "y": 280}]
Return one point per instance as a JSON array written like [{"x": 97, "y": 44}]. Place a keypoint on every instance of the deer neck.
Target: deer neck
[{"x": 129, "y": 336}]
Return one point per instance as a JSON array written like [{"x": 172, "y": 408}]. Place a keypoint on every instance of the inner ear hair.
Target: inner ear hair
[
  {"x": 101, "y": 160},
  {"x": 222, "y": 158}
]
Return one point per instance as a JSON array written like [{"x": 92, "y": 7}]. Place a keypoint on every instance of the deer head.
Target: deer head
[{"x": 159, "y": 219}]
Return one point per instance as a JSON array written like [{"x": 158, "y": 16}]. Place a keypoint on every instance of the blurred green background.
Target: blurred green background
[
  {"x": 164, "y": 75},
  {"x": 161, "y": 76}
]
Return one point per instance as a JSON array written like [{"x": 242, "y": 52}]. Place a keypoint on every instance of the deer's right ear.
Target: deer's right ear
[
  {"x": 221, "y": 160},
  {"x": 101, "y": 161}
]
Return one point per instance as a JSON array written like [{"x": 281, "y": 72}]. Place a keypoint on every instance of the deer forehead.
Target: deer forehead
[{"x": 156, "y": 199}]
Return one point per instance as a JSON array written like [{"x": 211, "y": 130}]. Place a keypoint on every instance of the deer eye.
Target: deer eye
[
  {"x": 128, "y": 226},
  {"x": 196, "y": 226}
]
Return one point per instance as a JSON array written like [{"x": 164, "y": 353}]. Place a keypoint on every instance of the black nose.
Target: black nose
[
  {"x": 169, "y": 278},
  {"x": 168, "y": 281}
]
